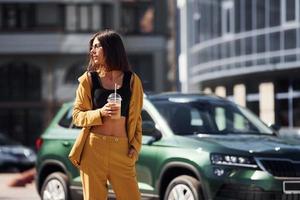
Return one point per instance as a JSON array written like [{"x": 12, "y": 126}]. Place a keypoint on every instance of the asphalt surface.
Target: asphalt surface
[{"x": 27, "y": 192}]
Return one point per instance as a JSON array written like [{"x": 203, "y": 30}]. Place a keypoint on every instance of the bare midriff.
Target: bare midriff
[{"x": 111, "y": 127}]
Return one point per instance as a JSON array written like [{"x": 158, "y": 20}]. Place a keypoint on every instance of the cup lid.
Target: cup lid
[{"x": 114, "y": 96}]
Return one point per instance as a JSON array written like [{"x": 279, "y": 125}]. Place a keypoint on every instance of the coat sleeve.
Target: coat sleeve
[
  {"x": 83, "y": 114},
  {"x": 137, "y": 91}
]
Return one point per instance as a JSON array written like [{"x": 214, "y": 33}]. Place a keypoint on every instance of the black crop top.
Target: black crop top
[{"x": 100, "y": 94}]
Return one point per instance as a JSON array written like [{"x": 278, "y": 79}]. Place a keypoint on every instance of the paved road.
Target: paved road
[
  {"x": 16, "y": 193},
  {"x": 19, "y": 193}
]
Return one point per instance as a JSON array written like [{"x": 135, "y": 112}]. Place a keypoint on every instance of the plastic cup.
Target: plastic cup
[{"x": 116, "y": 99}]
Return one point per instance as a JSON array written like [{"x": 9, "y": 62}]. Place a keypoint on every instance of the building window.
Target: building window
[
  {"x": 96, "y": 18},
  {"x": 227, "y": 17},
  {"x": 107, "y": 16},
  {"x": 249, "y": 45},
  {"x": 137, "y": 17},
  {"x": 274, "y": 39},
  {"x": 71, "y": 17},
  {"x": 31, "y": 17},
  {"x": 79, "y": 17},
  {"x": 143, "y": 66},
  {"x": 237, "y": 18},
  {"x": 274, "y": 12},
  {"x": 248, "y": 15},
  {"x": 289, "y": 12},
  {"x": 84, "y": 15},
  {"x": 1, "y": 16},
  {"x": 88, "y": 17},
  {"x": 10, "y": 17},
  {"x": 290, "y": 42},
  {"x": 260, "y": 43},
  {"x": 48, "y": 15},
  {"x": 260, "y": 14},
  {"x": 16, "y": 16}
]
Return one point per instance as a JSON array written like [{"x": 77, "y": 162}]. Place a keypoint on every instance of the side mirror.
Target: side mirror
[
  {"x": 275, "y": 127},
  {"x": 149, "y": 129}
]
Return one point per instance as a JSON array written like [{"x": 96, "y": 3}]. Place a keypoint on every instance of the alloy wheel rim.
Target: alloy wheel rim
[
  {"x": 181, "y": 192},
  {"x": 54, "y": 190}
]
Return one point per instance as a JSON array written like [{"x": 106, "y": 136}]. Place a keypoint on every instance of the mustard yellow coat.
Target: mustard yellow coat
[{"x": 84, "y": 116}]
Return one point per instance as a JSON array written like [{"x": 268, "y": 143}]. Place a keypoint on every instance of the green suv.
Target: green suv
[{"x": 194, "y": 147}]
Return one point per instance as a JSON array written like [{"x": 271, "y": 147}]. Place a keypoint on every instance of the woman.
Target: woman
[{"x": 110, "y": 146}]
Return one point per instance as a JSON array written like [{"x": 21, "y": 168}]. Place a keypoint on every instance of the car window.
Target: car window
[
  {"x": 196, "y": 118},
  {"x": 147, "y": 119},
  {"x": 66, "y": 120},
  {"x": 234, "y": 121},
  {"x": 220, "y": 118},
  {"x": 185, "y": 118}
]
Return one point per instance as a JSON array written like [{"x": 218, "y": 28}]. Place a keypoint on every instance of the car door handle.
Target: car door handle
[{"x": 66, "y": 144}]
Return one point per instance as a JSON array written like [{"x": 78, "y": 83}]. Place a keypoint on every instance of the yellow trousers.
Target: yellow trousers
[{"x": 105, "y": 158}]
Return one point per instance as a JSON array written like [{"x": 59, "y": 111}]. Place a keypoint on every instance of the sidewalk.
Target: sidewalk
[{"x": 27, "y": 192}]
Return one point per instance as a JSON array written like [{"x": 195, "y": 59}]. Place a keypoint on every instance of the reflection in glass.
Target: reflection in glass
[
  {"x": 290, "y": 39},
  {"x": 290, "y": 11},
  {"x": 248, "y": 15},
  {"x": 260, "y": 13},
  {"x": 237, "y": 17},
  {"x": 274, "y": 12},
  {"x": 290, "y": 43},
  {"x": 274, "y": 41},
  {"x": 261, "y": 47},
  {"x": 249, "y": 47},
  {"x": 237, "y": 47}
]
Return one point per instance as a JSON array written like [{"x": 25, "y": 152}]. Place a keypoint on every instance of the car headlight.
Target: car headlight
[{"x": 232, "y": 160}]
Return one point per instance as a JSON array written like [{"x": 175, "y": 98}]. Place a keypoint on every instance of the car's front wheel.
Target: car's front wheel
[
  {"x": 55, "y": 187},
  {"x": 184, "y": 188}
]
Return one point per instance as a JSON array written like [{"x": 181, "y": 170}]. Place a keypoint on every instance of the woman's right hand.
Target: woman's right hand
[{"x": 108, "y": 110}]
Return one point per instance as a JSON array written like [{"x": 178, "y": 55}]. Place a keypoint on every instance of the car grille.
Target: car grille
[
  {"x": 281, "y": 168},
  {"x": 239, "y": 192}
]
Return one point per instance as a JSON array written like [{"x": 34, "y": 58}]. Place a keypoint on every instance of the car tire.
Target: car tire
[
  {"x": 184, "y": 187},
  {"x": 56, "y": 186}
]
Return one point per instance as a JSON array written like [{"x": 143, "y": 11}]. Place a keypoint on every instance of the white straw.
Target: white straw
[{"x": 115, "y": 92}]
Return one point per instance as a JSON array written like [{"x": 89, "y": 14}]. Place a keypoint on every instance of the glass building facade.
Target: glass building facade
[{"x": 253, "y": 43}]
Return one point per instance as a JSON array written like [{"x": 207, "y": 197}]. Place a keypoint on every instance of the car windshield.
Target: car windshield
[{"x": 217, "y": 117}]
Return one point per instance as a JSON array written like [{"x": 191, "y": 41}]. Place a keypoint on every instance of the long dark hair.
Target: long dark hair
[{"x": 113, "y": 51}]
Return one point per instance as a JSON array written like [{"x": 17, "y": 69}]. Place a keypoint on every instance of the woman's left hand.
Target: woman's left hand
[{"x": 131, "y": 152}]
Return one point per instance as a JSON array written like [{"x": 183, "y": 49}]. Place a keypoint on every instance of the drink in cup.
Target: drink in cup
[{"x": 116, "y": 99}]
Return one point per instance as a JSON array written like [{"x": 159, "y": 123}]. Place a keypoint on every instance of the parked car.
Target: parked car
[
  {"x": 194, "y": 147},
  {"x": 14, "y": 156}
]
